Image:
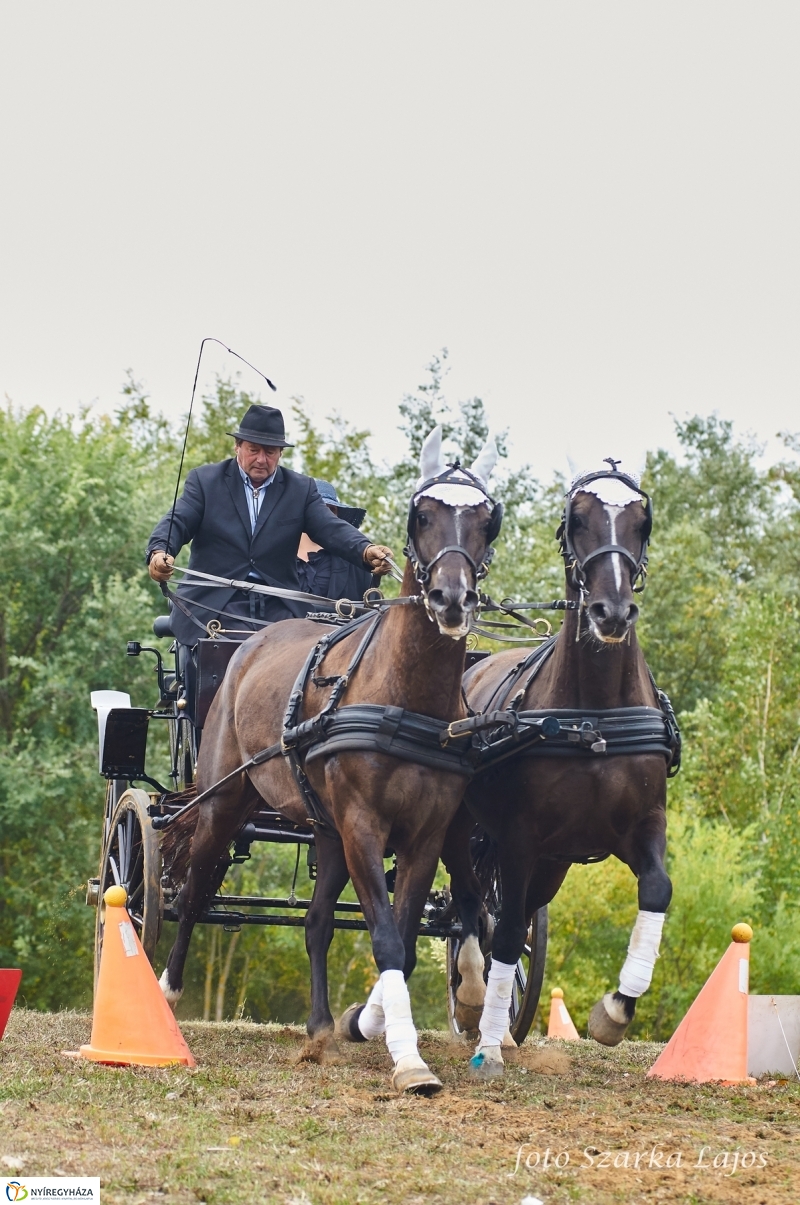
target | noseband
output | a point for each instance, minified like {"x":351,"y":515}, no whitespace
{"x":454,"y":474}
{"x":576,"y":575}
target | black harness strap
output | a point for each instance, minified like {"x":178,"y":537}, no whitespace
{"x":617,"y":731}
{"x":373,"y":728}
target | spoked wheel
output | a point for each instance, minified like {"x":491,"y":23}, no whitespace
{"x":132,"y":859}
{"x":528,"y":978}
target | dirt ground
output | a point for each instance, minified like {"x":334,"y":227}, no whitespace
{"x":568,"y":1122}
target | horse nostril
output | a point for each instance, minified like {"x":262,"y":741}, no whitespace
{"x":633,"y":613}
{"x":471,"y":600}
{"x":598,"y":611}
{"x":436,"y":598}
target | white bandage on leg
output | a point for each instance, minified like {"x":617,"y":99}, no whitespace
{"x":636,"y":974}
{"x":371,"y":1019}
{"x":401,"y":1036}
{"x":494,"y":1019}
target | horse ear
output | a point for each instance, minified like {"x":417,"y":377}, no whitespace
{"x":430,"y":457}
{"x":487,"y":459}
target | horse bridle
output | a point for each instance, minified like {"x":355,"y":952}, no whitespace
{"x":576,"y":567}
{"x":454,"y":474}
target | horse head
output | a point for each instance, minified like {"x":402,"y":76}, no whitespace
{"x":452,"y":521}
{"x":604,"y":533}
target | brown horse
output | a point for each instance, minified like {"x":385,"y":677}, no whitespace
{"x":409,"y":657}
{"x":546,"y":811}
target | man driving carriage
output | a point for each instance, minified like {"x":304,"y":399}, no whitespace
{"x":244,"y":517}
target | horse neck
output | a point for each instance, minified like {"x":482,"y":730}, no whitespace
{"x":410,"y":664}
{"x":582,"y":672}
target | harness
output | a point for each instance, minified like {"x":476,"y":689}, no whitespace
{"x":569,"y":732}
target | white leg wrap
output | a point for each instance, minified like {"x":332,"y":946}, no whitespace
{"x":636,"y":974}
{"x":172,"y":995}
{"x":372,"y":1021}
{"x":494,"y":1019}
{"x":401,"y":1036}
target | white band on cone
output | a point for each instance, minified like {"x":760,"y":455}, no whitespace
{"x":371,"y":1019}
{"x":637,"y":973}
{"x":494,"y":1019}
{"x":401,"y":1036}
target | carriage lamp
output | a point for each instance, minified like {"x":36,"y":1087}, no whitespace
{"x":134,"y":648}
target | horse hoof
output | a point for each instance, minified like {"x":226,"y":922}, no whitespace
{"x":320,"y":1049}
{"x":171,"y":994}
{"x":468,"y":1016}
{"x":487,"y":1063}
{"x":347,"y":1025}
{"x":413,"y":1075}
{"x":602,"y":1027}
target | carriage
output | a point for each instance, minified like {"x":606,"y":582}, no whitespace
{"x":138,"y":807}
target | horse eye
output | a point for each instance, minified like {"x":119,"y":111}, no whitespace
{"x":422,"y":520}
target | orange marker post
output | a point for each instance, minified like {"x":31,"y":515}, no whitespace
{"x":710,"y":1044}
{"x":560,"y":1024}
{"x":132,"y":1022}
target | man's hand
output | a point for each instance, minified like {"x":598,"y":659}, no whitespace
{"x":160,"y":566}
{"x":375,"y":556}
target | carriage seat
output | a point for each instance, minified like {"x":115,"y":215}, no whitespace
{"x":162,"y":626}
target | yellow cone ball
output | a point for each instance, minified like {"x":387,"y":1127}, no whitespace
{"x":742,"y":932}
{"x":557,"y":993}
{"x":115,"y":897}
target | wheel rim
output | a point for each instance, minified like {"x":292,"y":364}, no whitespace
{"x":132,"y":859}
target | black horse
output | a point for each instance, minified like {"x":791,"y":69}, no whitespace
{"x":585,"y":797}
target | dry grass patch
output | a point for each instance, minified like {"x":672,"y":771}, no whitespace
{"x":253,"y":1125}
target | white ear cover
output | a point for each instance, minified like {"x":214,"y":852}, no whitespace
{"x":430,"y":457}
{"x":487,"y":459}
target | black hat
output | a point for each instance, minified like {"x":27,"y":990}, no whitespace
{"x":262,"y":425}
{"x":327,"y":492}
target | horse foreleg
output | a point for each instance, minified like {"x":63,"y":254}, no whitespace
{"x":332,"y":878}
{"x":611,"y":1016}
{"x":467,"y":896}
{"x":365,"y":862}
{"x":525,"y":890}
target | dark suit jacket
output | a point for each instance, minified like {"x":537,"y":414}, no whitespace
{"x":212,"y":513}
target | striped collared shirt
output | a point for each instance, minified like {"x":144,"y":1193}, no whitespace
{"x":254,"y":494}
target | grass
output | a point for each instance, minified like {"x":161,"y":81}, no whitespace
{"x":252,"y":1125}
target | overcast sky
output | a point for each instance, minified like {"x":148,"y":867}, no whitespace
{"x":594,"y":206}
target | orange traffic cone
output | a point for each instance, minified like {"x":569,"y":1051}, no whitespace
{"x":132,"y":1023}
{"x":711,"y":1041}
{"x":560,"y":1023}
{"x":9,"y":982}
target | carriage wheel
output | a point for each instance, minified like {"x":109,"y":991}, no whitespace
{"x":528,"y":979}
{"x":131,"y":858}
